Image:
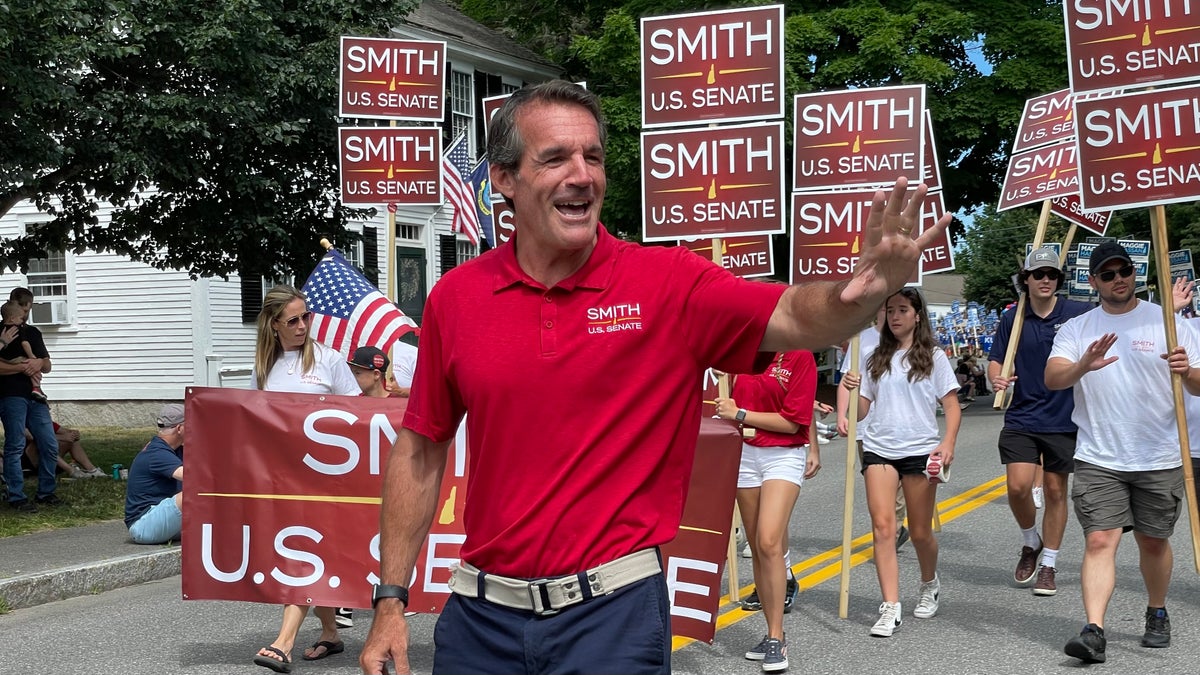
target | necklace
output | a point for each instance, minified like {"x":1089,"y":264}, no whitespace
{"x":292,"y":366}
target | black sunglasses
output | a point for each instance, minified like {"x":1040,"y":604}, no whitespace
{"x":291,"y":323}
{"x":1108,"y":275}
{"x":1040,"y":274}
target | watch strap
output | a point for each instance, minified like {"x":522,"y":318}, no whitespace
{"x":383,"y":591}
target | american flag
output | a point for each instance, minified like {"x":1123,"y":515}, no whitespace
{"x":455,"y":169}
{"x":348,"y":311}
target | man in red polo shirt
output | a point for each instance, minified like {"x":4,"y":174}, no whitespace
{"x":578,"y":356}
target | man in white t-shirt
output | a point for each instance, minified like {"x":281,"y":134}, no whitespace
{"x":1128,"y":472}
{"x":404,"y":364}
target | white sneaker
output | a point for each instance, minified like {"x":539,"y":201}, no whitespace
{"x":822,"y":439}
{"x":927,"y":605}
{"x":889,"y":619}
{"x":1039,"y":499}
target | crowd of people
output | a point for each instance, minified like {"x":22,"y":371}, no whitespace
{"x":600,"y":466}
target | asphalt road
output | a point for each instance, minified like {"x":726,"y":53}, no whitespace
{"x":985,"y":624}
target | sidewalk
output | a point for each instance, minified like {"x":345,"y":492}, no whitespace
{"x":48,"y":566}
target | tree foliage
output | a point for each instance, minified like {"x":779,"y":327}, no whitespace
{"x":225,"y":111}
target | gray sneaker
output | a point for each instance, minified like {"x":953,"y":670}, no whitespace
{"x":759,"y":652}
{"x":1158,"y":628}
{"x":775,"y":660}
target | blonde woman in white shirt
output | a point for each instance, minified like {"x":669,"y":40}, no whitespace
{"x":286,"y":358}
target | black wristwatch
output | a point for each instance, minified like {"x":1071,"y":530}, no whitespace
{"x":383,"y":591}
{"x":741,"y":415}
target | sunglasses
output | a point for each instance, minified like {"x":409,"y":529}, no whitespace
{"x":1040,"y":274}
{"x":1109,"y":275}
{"x":291,"y":323}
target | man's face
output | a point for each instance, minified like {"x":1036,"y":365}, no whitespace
{"x":25,"y":307}
{"x":1044,"y":287}
{"x":558,"y":187}
{"x":1119,"y":290}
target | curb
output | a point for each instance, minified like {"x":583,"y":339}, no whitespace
{"x":29,"y":590}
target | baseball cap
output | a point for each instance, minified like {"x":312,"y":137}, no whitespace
{"x":171,"y":415}
{"x":1109,"y":250}
{"x":1042,"y":257}
{"x":371,"y":358}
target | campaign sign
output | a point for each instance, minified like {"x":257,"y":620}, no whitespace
{"x":392,"y":79}
{"x":1127,"y":43}
{"x":939,"y":255}
{"x":858,"y":137}
{"x":721,"y":66}
{"x":502,"y":220}
{"x":1070,"y":209}
{"x":1139,"y":149}
{"x":1182,"y":257}
{"x":827,"y":234}
{"x":712,"y":182}
{"x":1046,"y":119}
{"x":744,"y":256}
{"x":931,"y":171}
{"x":1040,"y":174}
{"x":390,"y":165}
{"x":1138,"y":249}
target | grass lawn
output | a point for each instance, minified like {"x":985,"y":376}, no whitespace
{"x":86,"y":500}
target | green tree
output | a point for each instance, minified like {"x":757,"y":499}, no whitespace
{"x":225,"y":112}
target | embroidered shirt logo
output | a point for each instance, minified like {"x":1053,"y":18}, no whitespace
{"x":1146,"y":346}
{"x":614,"y":318}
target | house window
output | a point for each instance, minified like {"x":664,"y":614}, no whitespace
{"x":462,"y":104}
{"x":464,"y":251}
{"x":508,"y":87}
{"x":409,"y":232}
{"x":47,"y":276}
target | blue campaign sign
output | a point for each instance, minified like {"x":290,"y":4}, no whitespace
{"x":1136,"y":248}
{"x":954,"y":306}
{"x":1181,"y":257}
{"x":1185,"y":273}
{"x":986,"y":342}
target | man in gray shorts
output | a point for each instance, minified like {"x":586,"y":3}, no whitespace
{"x":1128,"y":473}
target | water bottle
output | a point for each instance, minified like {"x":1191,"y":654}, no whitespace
{"x":116,"y":471}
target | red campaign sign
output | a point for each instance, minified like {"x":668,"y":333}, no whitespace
{"x":744,"y":256}
{"x":931,"y":170}
{"x":1131,"y":43}
{"x":827,"y":234}
{"x":695,"y":559}
{"x":1038,"y":175}
{"x":502,"y":220}
{"x":392,"y":79}
{"x":1071,"y":210}
{"x":491,"y":105}
{"x":722,"y":66}
{"x":1139,"y":149}
{"x":858,"y":137}
{"x":939,"y":255}
{"x":1047,"y":119}
{"x":712,"y":182}
{"x":282,"y":495}
{"x":390,"y":165}
{"x":710,"y":392}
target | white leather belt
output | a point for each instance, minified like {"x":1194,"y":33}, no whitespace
{"x":549,"y":596}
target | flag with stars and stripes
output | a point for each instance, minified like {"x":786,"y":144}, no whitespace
{"x":348,"y":312}
{"x":456,"y":171}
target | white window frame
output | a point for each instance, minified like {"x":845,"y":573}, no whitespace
{"x":462,"y":107}
{"x":464,"y":250}
{"x":33,"y":283}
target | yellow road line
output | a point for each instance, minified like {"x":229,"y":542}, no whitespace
{"x":829,"y":563}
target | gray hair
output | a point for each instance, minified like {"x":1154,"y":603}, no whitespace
{"x":505,"y":145}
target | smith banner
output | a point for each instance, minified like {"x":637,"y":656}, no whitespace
{"x":282,"y":506}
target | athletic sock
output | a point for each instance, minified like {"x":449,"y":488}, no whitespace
{"x":787,"y":563}
{"x":1049,"y":557}
{"x":1030,"y":538}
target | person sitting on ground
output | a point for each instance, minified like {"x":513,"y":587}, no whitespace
{"x":69,"y":446}
{"x":370,"y":365}
{"x":13,"y":315}
{"x":966,"y":382}
{"x":154,"y":494}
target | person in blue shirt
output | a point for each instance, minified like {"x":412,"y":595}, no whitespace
{"x":1037,"y":426}
{"x":154,"y":494}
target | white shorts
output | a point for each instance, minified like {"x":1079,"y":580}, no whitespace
{"x":776,"y":463}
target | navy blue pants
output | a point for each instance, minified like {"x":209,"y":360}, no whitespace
{"x":628,"y":631}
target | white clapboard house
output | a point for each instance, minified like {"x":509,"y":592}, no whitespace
{"x":125,"y":337}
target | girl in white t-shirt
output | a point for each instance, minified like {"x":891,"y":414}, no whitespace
{"x":907,"y":377}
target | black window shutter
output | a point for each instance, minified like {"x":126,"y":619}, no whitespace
{"x":370,"y":242}
{"x":448,"y":251}
{"x":252,"y":296}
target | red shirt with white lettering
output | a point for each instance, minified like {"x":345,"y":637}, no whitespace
{"x":583,"y":413}
{"x":789,"y":388}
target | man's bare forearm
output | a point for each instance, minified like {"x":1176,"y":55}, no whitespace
{"x":410,"y":494}
{"x":814,"y":316}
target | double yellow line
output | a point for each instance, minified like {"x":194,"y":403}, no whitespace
{"x":827,"y":565}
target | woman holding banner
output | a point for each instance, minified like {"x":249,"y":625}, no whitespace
{"x":286,"y":358}
{"x":907,"y":376}
{"x":775,"y":461}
